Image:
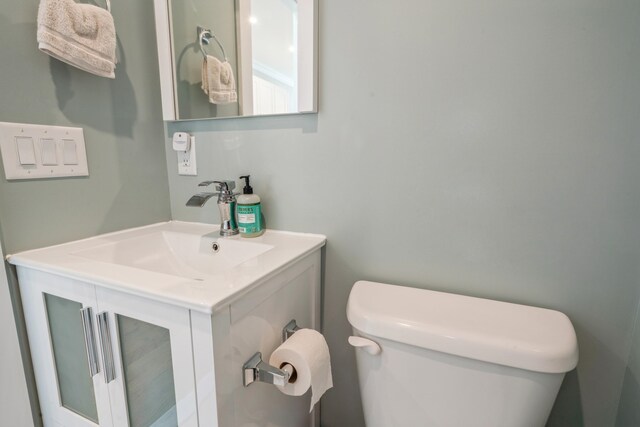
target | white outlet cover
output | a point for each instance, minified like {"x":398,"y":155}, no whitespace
{"x":187,"y":160}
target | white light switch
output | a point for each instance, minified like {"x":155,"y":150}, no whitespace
{"x":69,"y":153}
{"x":42,"y":151}
{"x":25,"y":150}
{"x":49,"y":155}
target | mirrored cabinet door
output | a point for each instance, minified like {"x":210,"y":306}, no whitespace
{"x":237,"y":58}
{"x":152,"y":382}
{"x":62,"y":336}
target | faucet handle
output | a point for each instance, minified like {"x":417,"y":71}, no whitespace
{"x":221,"y":186}
{"x":225,"y":186}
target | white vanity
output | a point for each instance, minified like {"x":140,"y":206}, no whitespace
{"x":151,"y":326}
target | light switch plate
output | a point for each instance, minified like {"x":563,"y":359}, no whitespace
{"x":49,"y":145}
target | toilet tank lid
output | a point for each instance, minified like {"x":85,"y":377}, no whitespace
{"x":515,"y":335}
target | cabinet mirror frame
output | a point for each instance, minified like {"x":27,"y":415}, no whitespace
{"x":307,"y":61}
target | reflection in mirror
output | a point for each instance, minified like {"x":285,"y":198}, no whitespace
{"x":230,"y":58}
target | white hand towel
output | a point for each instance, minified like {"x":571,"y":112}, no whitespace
{"x":82,"y":35}
{"x":218,"y":81}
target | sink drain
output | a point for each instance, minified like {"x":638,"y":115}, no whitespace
{"x":215,"y":247}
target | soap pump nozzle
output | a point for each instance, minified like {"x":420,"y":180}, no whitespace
{"x":247,"y":188}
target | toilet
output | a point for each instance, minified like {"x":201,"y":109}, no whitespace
{"x":429,"y":358}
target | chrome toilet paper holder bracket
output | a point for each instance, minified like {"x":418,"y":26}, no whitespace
{"x":289,"y":329}
{"x":256,"y":369}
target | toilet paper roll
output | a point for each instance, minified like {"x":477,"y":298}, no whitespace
{"x":308,"y":353}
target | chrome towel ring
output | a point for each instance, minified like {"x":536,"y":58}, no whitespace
{"x":204,"y":35}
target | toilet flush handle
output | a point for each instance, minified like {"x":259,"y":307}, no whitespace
{"x":367,"y":345}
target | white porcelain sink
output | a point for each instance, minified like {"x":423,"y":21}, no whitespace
{"x":175,"y":261}
{"x":188,"y":255}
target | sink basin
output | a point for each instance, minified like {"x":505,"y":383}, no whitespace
{"x":175,"y":261}
{"x":187,"y":255}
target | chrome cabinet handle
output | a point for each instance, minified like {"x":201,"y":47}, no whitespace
{"x":105,"y":346}
{"x":89,"y":340}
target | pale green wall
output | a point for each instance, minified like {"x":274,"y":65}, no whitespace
{"x":122,"y":125}
{"x":14,"y":392}
{"x":488,"y":148}
{"x":629,"y":409}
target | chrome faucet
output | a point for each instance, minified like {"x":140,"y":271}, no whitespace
{"x":226,"y":204}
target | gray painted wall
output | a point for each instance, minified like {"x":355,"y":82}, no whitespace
{"x":489,"y":149}
{"x":122,"y":125}
{"x":486,"y":148}
{"x":14,"y":395}
{"x":123,"y":130}
{"x":629,"y":409}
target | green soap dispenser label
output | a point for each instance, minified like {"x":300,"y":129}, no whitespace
{"x":249,"y":218}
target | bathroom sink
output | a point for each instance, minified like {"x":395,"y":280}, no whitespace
{"x":181,"y":254}
{"x":186,"y":264}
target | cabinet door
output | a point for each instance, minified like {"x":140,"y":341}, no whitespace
{"x":62,"y":349}
{"x":152,"y":380}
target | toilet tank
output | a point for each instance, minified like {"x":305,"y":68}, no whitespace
{"x":453,"y":360}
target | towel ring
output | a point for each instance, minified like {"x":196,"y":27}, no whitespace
{"x":107,"y":5}
{"x":204,"y":35}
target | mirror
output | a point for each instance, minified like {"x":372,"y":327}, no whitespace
{"x":236,"y":58}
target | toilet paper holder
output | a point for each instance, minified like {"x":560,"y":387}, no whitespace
{"x":256,"y":369}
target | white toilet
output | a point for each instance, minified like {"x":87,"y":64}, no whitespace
{"x":430,"y":358}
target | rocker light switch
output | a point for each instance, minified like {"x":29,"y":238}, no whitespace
{"x":69,"y":153}
{"x":25,"y":150}
{"x":49,"y":156}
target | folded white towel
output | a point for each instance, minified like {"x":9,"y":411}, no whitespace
{"x":218,"y":81}
{"x":82,"y":35}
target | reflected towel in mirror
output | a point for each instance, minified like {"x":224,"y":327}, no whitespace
{"x":82,"y":35}
{"x":218,"y":81}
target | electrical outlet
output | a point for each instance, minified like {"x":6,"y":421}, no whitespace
{"x":187,"y":160}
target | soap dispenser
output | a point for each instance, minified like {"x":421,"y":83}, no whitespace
{"x":249,"y":211}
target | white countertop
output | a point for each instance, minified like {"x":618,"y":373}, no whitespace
{"x":205,"y":293}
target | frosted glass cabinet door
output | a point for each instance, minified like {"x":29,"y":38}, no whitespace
{"x":61,"y":345}
{"x":71,"y":365}
{"x":153,"y":379}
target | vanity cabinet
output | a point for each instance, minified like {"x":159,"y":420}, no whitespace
{"x":107,"y":358}
{"x":150,"y":327}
